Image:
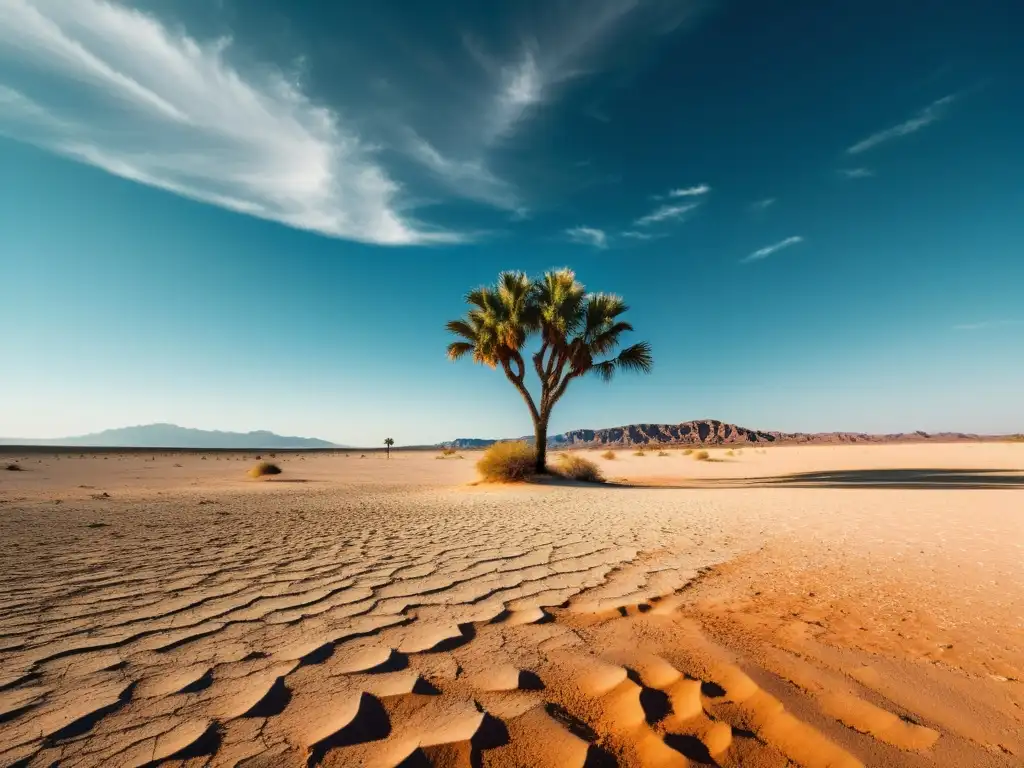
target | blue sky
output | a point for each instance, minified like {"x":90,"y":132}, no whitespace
{"x":260,"y":214}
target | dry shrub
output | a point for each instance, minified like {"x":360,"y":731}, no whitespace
{"x":663,"y":453}
{"x":702,"y":455}
{"x":263,"y":469}
{"x":688,"y":451}
{"x":449,"y":451}
{"x":576,"y":467}
{"x":730,"y":452}
{"x":639,"y":453}
{"x":14,"y":468}
{"x":507,"y":462}
{"x":608,"y":455}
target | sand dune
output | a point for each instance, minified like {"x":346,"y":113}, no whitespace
{"x":812,"y":606}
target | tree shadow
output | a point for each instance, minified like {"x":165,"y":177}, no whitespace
{"x":896,"y":479}
{"x":903,"y":479}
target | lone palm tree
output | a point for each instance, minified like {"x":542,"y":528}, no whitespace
{"x":575,"y":329}
{"x":388,"y":442}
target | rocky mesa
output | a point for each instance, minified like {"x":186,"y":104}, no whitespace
{"x":715,"y":432}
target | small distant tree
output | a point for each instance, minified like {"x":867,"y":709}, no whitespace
{"x":578,"y":332}
{"x":388,"y":442}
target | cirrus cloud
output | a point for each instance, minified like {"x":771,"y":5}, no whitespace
{"x":588,"y":236}
{"x":156,"y":106}
{"x":764,"y":253}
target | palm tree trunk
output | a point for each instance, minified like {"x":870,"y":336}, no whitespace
{"x":540,"y":444}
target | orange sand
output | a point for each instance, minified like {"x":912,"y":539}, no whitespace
{"x":812,"y":606}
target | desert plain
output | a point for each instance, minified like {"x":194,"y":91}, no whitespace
{"x":807,"y":606}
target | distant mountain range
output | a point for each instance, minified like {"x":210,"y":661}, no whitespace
{"x":173,"y":436}
{"x":713,"y":432}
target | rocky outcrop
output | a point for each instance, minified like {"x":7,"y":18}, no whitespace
{"x":714,"y":432}
{"x":703,"y":432}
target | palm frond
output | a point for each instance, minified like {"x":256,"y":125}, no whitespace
{"x":636,"y":358}
{"x":607,"y":339}
{"x":482,"y":297}
{"x":459,"y":349}
{"x":604,"y":370}
{"x":601,"y":309}
{"x":462,"y":328}
{"x":560,"y":299}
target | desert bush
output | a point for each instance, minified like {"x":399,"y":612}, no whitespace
{"x":449,"y":451}
{"x":608,"y":455}
{"x":663,"y":453}
{"x":688,"y":451}
{"x":14,"y":468}
{"x":730,"y":452}
{"x":639,"y":453}
{"x":264,"y":468}
{"x":702,"y":455}
{"x":507,"y":462}
{"x":576,"y":467}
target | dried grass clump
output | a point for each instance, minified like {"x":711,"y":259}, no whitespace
{"x":663,"y":453}
{"x":575,"y":467}
{"x":14,"y":468}
{"x":702,"y":456}
{"x":688,"y":451}
{"x":263,"y":469}
{"x":449,"y":451}
{"x":610,"y":455}
{"x":730,"y":452}
{"x":507,"y":462}
{"x":641,"y":452}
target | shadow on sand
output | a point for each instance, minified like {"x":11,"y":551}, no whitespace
{"x":902,"y":479}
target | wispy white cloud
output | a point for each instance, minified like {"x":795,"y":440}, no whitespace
{"x":922,"y":119}
{"x":665,"y":213}
{"x":856,"y":173}
{"x":632,"y":234}
{"x":588,"y":236}
{"x":986,"y":324}
{"x":762,"y":205}
{"x":157,"y":106}
{"x":522,"y":87}
{"x":471,"y":179}
{"x":700,"y":189}
{"x":767,"y":251}
{"x":567,"y":45}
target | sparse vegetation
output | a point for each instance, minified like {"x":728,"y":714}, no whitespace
{"x":264,"y":468}
{"x":576,"y":329}
{"x":702,"y":456}
{"x":639,"y":452}
{"x":575,"y":467}
{"x":688,"y":451}
{"x":730,"y":452}
{"x":610,"y":455}
{"x":663,"y":453}
{"x":508,"y":462}
{"x":449,"y":451}
{"x":13,"y":467}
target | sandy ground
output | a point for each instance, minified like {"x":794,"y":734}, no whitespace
{"x":812,"y":606}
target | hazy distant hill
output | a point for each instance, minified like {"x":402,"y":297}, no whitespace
{"x":712,"y":432}
{"x":173,"y":436}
